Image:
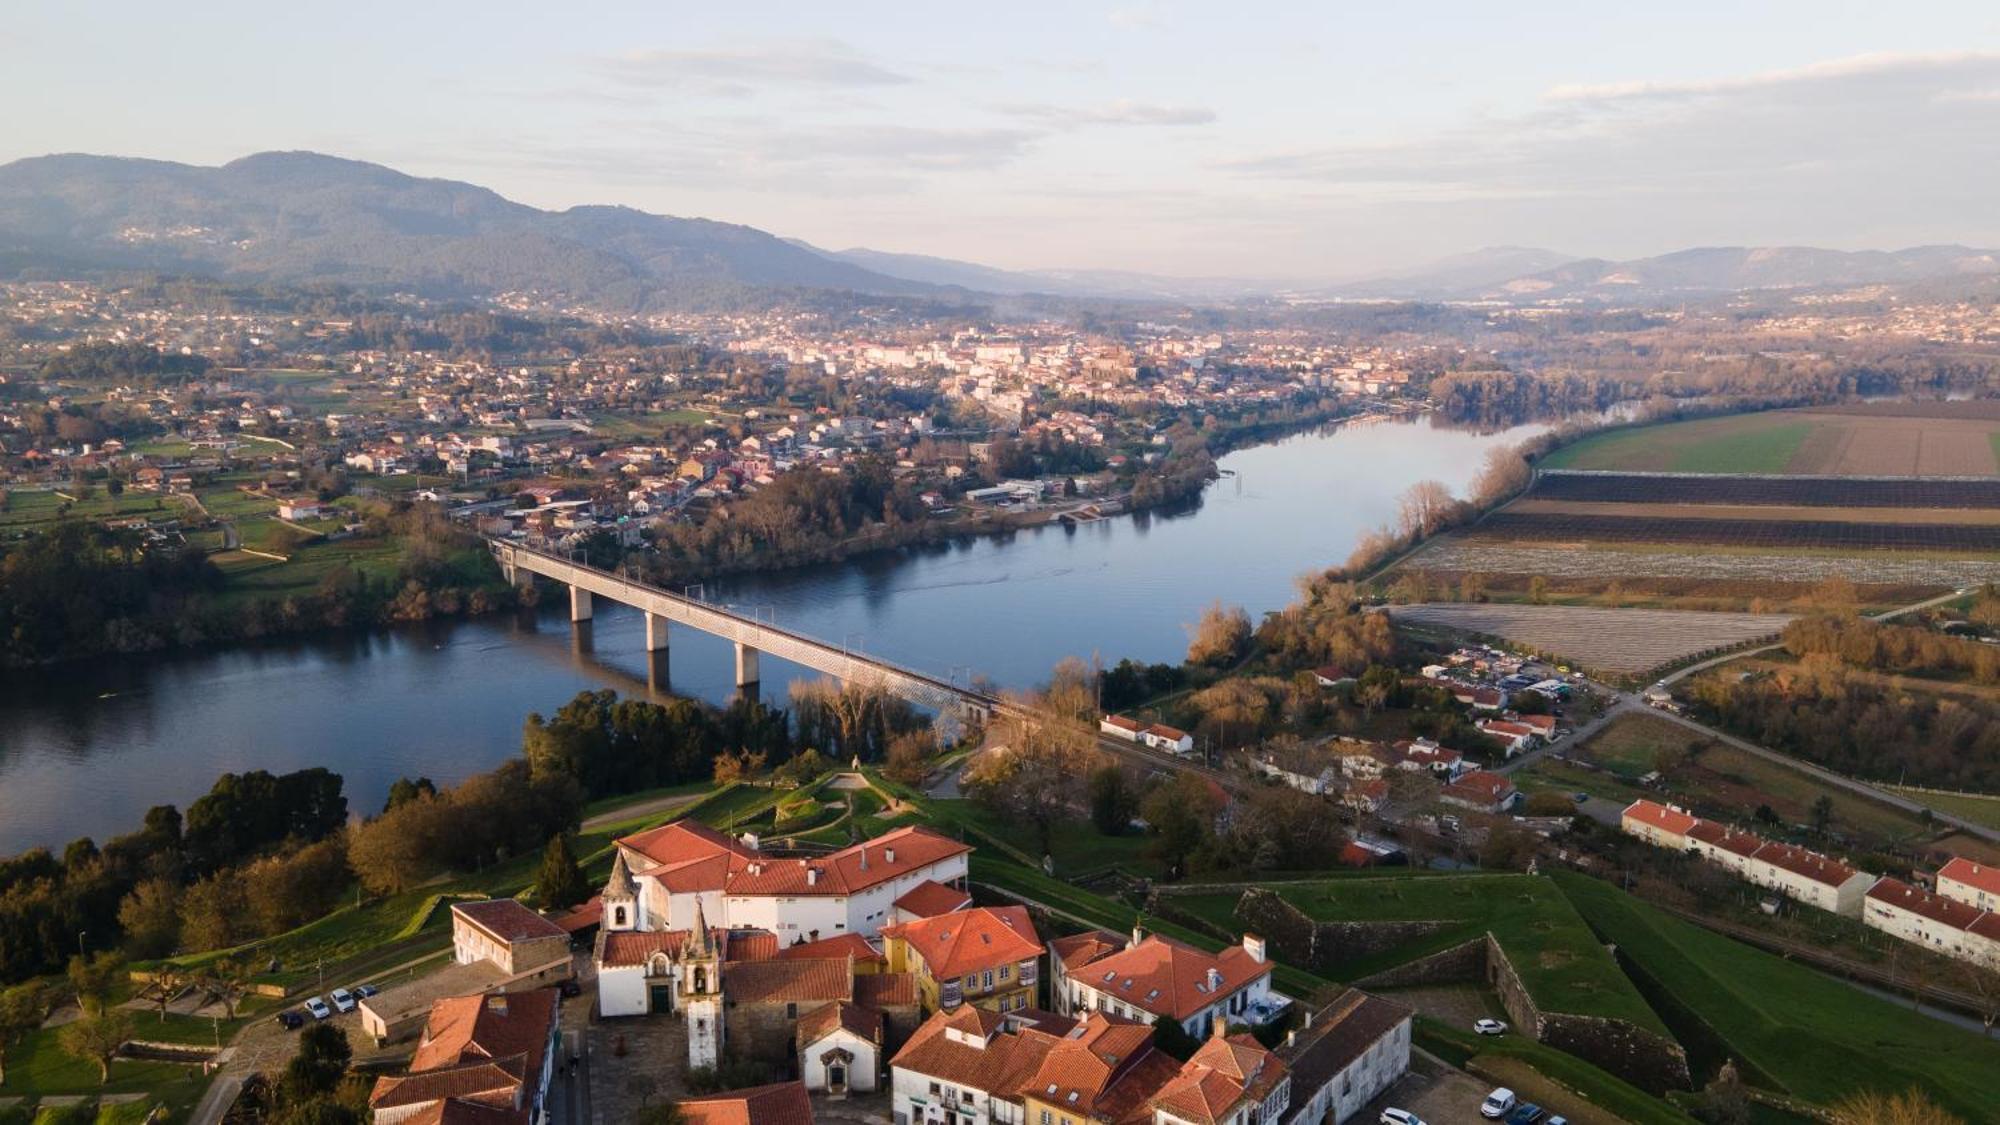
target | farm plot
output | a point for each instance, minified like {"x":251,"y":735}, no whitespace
{"x":1536,"y":506}
{"x":1628,"y":641}
{"x":1873,"y":439}
{"x":1838,"y":535}
{"x":1786,"y":491}
{"x":1453,"y":554}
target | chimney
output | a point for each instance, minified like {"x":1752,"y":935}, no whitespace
{"x":1292,"y":1038}
{"x":1218,"y":1025}
{"x":812,"y":876}
{"x":1214,"y":978}
{"x":864,"y":857}
{"x":1309,"y":1019}
{"x":888,"y":855}
{"x":1254,"y":946}
{"x":1138,"y":935}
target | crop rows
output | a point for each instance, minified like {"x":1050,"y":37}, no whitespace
{"x":1825,"y":534}
{"x":1812,"y":492}
{"x":1454,"y":554}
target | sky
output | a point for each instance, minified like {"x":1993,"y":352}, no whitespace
{"x":1306,"y":141}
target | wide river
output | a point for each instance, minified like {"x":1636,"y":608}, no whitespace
{"x":86,"y":748}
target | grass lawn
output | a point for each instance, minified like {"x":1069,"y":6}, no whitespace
{"x":38,"y":1066}
{"x":1966,"y":806}
{"x":35,"y":511}
{"x":1743,"y":443}
{"x":638,"y":425}
{"x":1799,"y":1032}
{"x":1562,"y":964}
{"x":1496,"y":1057}
{"x":251,"y":577}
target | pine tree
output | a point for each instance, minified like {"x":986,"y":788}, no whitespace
{"x":561,"y":883}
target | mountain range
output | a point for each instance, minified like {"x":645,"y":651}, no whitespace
{"x":296,"y":217}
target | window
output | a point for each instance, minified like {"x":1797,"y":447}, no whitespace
{"x":934,"y":1090}
{"x":1045,"y":1117}
{"x":989,"y":978}
{"x":618,"y":916}
{"x":791,"y":1011}
{"x":1006,"y":972}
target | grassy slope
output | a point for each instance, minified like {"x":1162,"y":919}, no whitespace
{"x":1813,"y":1036}
{"x":1560,"y":961}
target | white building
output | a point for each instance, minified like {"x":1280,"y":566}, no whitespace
{"x":1150,"y":977}
{"x":1808,"y":877}
{"x":659,"y":878}
{"x":840,"y":1049}
{"x":1662,"y":826}
{"x":1975,"y":884}
{"x":1939,"y":924}
{"x":967,"y":1067}
{"x":1344,"y":1056}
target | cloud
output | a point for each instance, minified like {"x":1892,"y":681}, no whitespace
{"x":1846,"y":129}
{"x":1119,"y":112}
{"x":745,"y":70}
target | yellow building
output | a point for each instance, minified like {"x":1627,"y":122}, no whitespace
{"x":988,"y":957}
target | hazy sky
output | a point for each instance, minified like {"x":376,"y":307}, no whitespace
{"x":1316,"y":139}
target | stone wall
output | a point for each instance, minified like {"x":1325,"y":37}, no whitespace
{"x":1647,"y":1060}
{"x":1297,"y":939}
{"x":1464,"y":963}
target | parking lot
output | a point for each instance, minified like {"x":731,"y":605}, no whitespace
{"x":1434,"y":1092}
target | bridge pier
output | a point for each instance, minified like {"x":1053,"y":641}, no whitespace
{"x":579,"y":604}
{"x":656,"y":633}
{"x":746,"y":665}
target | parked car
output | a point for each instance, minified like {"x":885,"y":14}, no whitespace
{"x":1529,"y":1114}
{"x":1400,"y":1117}
{"x":1489,"y":1027}
{"x":1579,"y":796}
{"x":290,"y":1020}
{"x":1558,"y":1119}
{"x":1497,"y":1104}
{"x":343,"y":1000}
{"x":364,"y":991}
{"x":316,"y":1007}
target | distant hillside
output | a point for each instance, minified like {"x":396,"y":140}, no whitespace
{"x":297,"y":216}
{"x":1725,"y":269}
{"x":1105,"y":284}
{"x":1458,"y":274}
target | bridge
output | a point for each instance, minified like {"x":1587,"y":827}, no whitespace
{"x":752,"y":637}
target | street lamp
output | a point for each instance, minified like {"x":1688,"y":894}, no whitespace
{"x":79,"y":942}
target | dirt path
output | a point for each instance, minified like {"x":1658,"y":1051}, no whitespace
{"x":643,"y":808}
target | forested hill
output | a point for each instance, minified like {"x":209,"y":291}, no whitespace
{"x":297,"y":216}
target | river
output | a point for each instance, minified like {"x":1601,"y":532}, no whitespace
{"x":87,"y":747}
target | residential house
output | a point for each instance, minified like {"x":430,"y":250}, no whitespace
{"x":970,"y":1066}
{"x":1808,"y":877}
{"x":1481,"y":791}
{"x":1162,"y":737}
{"x":482,"y":1058}
{"x":1939,"y":924}
{"x":510,"y":935}
{"x":1344,"y":1056}
{"x":1970,"y":882}
{"x":1118,"y":726}
{"x":1153,"y":977}
{"x":782,"y":1103}
{"x":1660,"y":825}
{"x":988,"y":956}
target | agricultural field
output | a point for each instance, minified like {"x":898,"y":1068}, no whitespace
{"x":1767,"y":491}
{"x":1623,"y":641}
{"x":1873,"y":439}
{"x":1756,"y":532}
{"x":1452,"y":555}
{"x":1791,"y":1029}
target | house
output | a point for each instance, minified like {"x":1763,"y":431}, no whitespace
{"x":1513,"y":737}
{"x":1332,"y":676}
{"x":1299,"y":767}
{"x":1152,"y":977}
{"x":1366,"y":795}
{"x":508,"y":934}
{"x":1808,"y":877}
{"x":303,"y":510}
{"x":1106,"y":1072}
{"x":1162,"y":737}
{"x":971,"y":1066}
{"x":782,"y":1103}
{"x":1722,"y":845}
{"x":1423,"y":754}
{"x":1481,"y":791}
{"x":840,"y":1049}
{"x":1118,"y":726}
{"x":659,"y":877}
{"x":988,"y":956}
{"x":929,"y":899}
{"x":1660,"y":825}
{"x":482,"y":1058}
{"x":1344,"y":1056}
{"x":1479,"y":698}
{"x":1939,"y":924}
{"x":1229,"y":1079}
{"x":1969,"y":882}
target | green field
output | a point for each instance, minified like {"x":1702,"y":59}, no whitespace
{"x":1966,"y":806}
{"x":35,"y":511}
{"x":1795,"y":1030}
{"x":1744,"y":443}
{"x":1560,"y":961}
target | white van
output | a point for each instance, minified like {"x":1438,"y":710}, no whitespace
{"x":1497,"y":1104}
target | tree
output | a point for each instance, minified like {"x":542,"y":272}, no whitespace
{"x":909,"y":757}
{"x":1181,"y":813}
{"x":1538,"y":590}
{"x":1424,"y":509}
{"x":1872,"y":1107}
{"x":1503,"y":473}
{"x":561,"y":882}
{"x":1170,"y":1037}
{"x":168,"y":980}
{"x":1822,"y":813}
{"x":227,"y":979}
{"x":92,"y":979}
{"x":96,"y":1036}
{"x":212,"y":912}
{"x":22,"y":1010}
{"x":1112,"y":802}
{"x":150,"y":917}
{"x":315,"y":1071}
{"x":666,"y":1113}
{"x":1220,"y":636}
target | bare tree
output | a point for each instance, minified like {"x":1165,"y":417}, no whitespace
{"x":1220,"y":636}
{"x":1504,"y":473}
{"x":1872,"y":1107}
{"x":1424,"y":508}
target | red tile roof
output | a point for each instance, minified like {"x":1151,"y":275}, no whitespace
{"x":784,"y":1103}
{"x":1937,"y":908}
{"x":985,"y":937}
{"x":931,"y":897}
{"x":1169,"y":978}
{"x":1982,"y":876}
{"x":840,"y":947}
{"x":886,"y":990}
{"x":487,"y":1050}
{"x":1806,"y":864}
{"x":786,"y":982}
{"x":996,"y":1061}
{"x":687,"y":856}
{"x":1221,"y":1075}
{"x":1106,"y":1069}
{"x":855,"y":1019}
{"x":506,"y":920}
{"x":1660,"y":816}
{"x":1081,"y":949}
